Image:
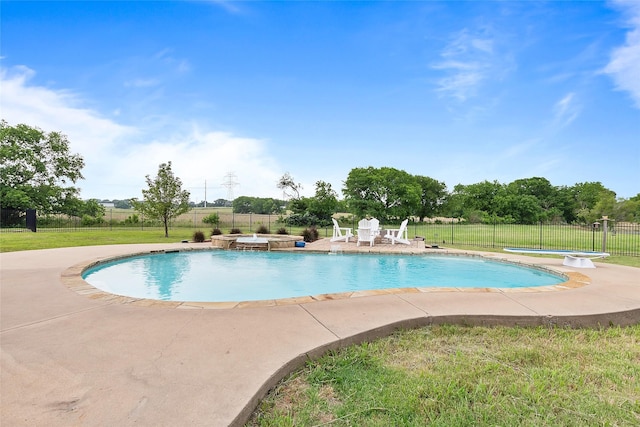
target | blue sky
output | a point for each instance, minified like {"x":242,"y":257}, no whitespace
{"x":458,"y":91}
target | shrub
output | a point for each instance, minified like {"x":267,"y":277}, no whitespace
{"x":198,"y":236}
{"x":216,"y":232}
{"x":310,"y":234}
{"x":235,"y":231}
{"x":132,"y":219}
{"x":213,"y":218}
{"x":282,"y":230}
{"x":262,"y":230}
{"x":88,"y":220}
{"x":304,"y":219}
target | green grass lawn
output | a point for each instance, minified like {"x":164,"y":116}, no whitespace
{"x":10,"y":241}
{"x":468,"y":376}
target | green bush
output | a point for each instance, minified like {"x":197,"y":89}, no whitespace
{"x":132,"y":219}
{"x":306,"y":219}
{"x":198,"y":236}
{"x":88,"y":220}
{"x":310,"y":234}
{"x":213,"y":218}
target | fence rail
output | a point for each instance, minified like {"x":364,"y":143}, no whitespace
{"x":619,"y":239}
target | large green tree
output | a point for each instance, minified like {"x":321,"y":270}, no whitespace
{"x":385,"y":193}
{"x":36,"y":170}
{"x":593,"y":200}
{"x":432,"y":196}
{"x":325,"y":202}
{"x":165,"y":199}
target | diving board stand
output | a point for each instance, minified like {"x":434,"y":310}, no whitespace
{"x":578,"y":259}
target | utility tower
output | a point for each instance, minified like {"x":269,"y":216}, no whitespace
{"x":230,"y":183}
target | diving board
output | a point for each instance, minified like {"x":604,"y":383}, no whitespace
{"x":579,"y":259}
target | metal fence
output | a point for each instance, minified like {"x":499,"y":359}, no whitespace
{"x":616,"y":239}
{"x":123,"y":219}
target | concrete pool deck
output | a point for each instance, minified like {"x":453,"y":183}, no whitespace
{"x":69,"y":358}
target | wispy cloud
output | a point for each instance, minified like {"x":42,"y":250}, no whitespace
{"x":142,"y":82}
{"x":118,"y":157}
{"x":566,"y":110}
{"x":624,"y":66}
{"x":230,"y":6}
{"x":59,"y":110}
{"x":167,"y":57}
{"x":467,"y":61}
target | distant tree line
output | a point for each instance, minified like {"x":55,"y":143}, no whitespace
{"x":390,"y":194}
{"x":126,"y":204}
{"x":37,"y":171}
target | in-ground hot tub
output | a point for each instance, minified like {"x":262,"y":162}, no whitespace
{"x":251,"y":241}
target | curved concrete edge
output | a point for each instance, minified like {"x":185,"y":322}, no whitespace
{"x":622,"y":318}
{"x":72,"y":278}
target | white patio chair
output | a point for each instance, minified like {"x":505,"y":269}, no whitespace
{"x":399,"y":235}
{"x":338,"y":232}
{"x":375,"y":226}
{"x":366,"y":232}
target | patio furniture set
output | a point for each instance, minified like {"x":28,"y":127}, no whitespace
{"x":369,"y":231}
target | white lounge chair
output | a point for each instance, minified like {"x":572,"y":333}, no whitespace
{"x":399,"y":235}
{"x":366,"y":233}
{"x":338,"y":232}
{"x":375,"y":226}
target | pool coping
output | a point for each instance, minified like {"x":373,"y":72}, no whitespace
{"x":72,"y":278}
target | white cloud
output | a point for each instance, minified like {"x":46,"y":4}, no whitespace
{"x":55,"y":110}
{"x":624,"y":66}
{"x":198,"y":156}
{"x":566,"y":110}
{"x":468,"y":60}
{"x":117,"y":157}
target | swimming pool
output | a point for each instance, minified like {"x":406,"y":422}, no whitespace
{"x":220,"y":276}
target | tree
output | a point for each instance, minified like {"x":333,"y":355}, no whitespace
{"x":36,"y":169}
{"x":594,"y":200}
{"x":212,"y":219}
{"x":432,"y":196}
{"x":325,"y":202}
{"x":164,"y":199}
{"x":286,"y":182}
{"x":382,"y":192}
{"x":259,"y":205}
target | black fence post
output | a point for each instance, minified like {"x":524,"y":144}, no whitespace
{"x":540,"y":234}
{"x":495,"y":224}
{"x":31,"y":219}
{"x":452,"y":225}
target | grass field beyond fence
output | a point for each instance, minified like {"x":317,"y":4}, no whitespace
{"x":621,"y":239}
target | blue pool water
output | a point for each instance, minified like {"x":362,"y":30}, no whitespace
{"x":249,"y":276}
